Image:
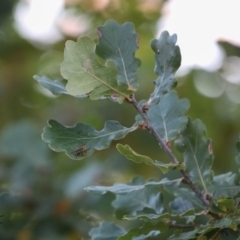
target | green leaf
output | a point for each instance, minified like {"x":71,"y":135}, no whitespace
{"x":185,"y":235}
{"x":82,"y":139}
{"x":179,"y":206}
{"x":147,"y":231}
{"x":85,"y":74}
{"x":168,"y":60}
{"x":106,"y":231}
{"x":119,"y":42}
{"x":197,"y":152}
{"x":25,"y":135}
{"x":174,"y":188}
{"x":136,"y":196}
{"x":224,"y":186}
{"x":138,"y":183}
{"x":54,"y":86}
{"x":238,"y":155}
{"x":148,"y":199}
{"x":130,"y":154}
{"x":167,"y":117}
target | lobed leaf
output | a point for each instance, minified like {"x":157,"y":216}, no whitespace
{"x":137,"y":183}
{"x":168,"y":60}
{"x":119,"y":42}
{"x":71,"y":139}
{"x":185,"y":235}
{"x":136,"y":197}
{"x":106,"y":231}
{"x":130,"y":154}
{"x":174,"y":188}
{"x":224,"y":186}
{"x":85,"y":74}
{"x":197,"y":152}
{"x":145,"y":200}
{"x":180,"y":206}
{"x":167,"y":117}
{"x":147,"y":231}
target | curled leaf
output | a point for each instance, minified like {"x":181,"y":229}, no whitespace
{"x":130,"y":154}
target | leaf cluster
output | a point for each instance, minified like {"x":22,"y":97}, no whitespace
{"x":197,"y":205}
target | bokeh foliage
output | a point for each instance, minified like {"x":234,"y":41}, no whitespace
{"x":42,"y":192}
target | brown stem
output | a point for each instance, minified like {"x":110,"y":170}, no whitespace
{"x":169,"y":152}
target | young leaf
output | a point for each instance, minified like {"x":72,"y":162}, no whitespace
{"x":119,"y":43}
{"x":106,"y":231}
{"x":197,"y":152}
{"x":85,"y":74}
{"x":82,"y":139}
{"x":167,"y":117}
{"x":129,"y":153}
{"x":168,"y":60}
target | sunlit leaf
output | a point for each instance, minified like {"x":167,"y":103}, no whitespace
{"x":119,"y":42}
{"x":130,"y":154}
{"x":106,"y":231}
{"x":85,"y":74}
{"x":147,"y":231}
{"x":82,"y":139}
{"x":197,"y":152}
{"x":168,"y":60}
{"x":167,"y":117}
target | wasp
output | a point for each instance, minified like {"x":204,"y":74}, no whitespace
{"x":80,"y":150}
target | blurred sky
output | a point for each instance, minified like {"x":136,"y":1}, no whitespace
{"x":199,"y":25}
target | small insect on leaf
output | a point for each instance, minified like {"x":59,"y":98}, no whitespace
{"x":80,"y":151}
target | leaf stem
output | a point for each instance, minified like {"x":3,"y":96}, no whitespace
{"x":169,"y":152}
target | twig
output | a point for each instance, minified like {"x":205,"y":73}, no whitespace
{"x":169,"y":152}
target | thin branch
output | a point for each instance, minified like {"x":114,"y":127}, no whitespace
{"x":169,"y":152}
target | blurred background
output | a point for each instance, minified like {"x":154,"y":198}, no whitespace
{"x":41,"y":192}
